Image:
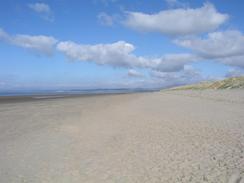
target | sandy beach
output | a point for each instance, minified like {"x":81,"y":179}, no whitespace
{"x":170,"y":136}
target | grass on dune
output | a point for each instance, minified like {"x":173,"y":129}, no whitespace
{"x":229,"y":83}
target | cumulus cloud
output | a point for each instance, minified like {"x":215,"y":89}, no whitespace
{"x":169,"y":67}
{"x":117,"y":54}
{"x":105,"y":19}
{"x":226,"y":47}
{"x":186,"y":76}
{"x":39,"y":43}
{"x":174,"y":62}
{"x":43,"y":9}
{"x":236,"y":61}
{"x":120,"y":54}
{"x":178,"y":22}
{"x":3,"y":35}
{"x":134,"y":73}
{"x":40,"y":7}
{"x":217,"y":44}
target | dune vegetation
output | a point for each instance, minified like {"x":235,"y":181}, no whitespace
{"x":229,"y":83}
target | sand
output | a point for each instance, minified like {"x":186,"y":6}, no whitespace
{"x":173,"y":136}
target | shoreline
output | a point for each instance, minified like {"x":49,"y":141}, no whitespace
{"x":40,"y":97}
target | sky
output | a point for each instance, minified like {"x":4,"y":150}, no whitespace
{"x":71,"y":44}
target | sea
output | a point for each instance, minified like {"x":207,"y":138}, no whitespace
{"x":62,"y":93}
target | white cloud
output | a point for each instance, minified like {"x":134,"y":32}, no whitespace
{"x":39,"y":43}
{"x":43,"y":9}
{"x":217,"y":44}
{"x":105,"y":19}
{"x":186,"y":76}
{"x":237,"y":61}
{"x":40,"y":7}
{"x":134,"y":73}
{"x":116,"y":54}
{"x":3,"y":35}
{"x":120,"y":54}
{"x":226,"y":47}
{"x":174,"y":62}
{"x":177,"y":21}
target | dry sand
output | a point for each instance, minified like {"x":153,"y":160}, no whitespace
{"x":173,"y":136}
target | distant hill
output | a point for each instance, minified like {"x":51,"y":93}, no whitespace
{"x":230,"y":83}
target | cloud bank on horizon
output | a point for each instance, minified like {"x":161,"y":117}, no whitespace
{"x":198,"y":30}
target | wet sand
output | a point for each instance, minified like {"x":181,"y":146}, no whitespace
{"x":171,"y":136}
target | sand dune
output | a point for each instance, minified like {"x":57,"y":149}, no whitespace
{"x":171,"y":136}
{"x":229,"y":83}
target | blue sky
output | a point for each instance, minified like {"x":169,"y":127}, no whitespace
{"x":114,"y":43}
